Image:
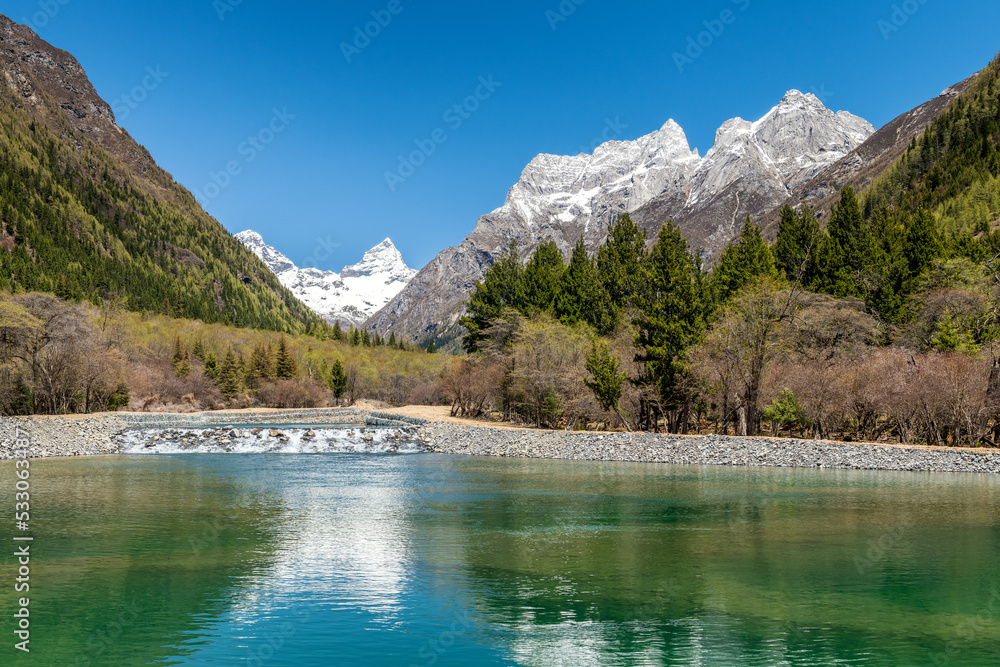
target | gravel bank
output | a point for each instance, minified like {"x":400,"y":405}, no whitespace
{"x":103,"y":434}
{"x":76,"y":435}
{"x":62,"y":436}
{"x":447,"y":438}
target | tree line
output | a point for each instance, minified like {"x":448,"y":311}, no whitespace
{"x":781,"y":336}
{"x":880,"y":322}
{"x":59,"y":357}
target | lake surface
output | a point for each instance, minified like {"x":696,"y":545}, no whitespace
{"x":431,"y":560}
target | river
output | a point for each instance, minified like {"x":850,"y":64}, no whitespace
{"x":422,"y":559}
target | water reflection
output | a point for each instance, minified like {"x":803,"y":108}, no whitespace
{"x":632,"y":565}
{"x":431,"y":560}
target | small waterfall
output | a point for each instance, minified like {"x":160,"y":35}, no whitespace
{"x":270,"y":439}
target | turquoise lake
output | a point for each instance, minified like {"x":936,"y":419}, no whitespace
{"x":433,"y":560}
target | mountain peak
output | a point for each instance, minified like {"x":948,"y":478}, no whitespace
{"x":654,"y":177}
{"x":249,"y":236}
{"x":795,"y":96}
{"x":349,"y":297}
{"x":383,"y":259}
{"x":275,"y":261}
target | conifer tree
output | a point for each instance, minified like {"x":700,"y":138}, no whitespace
{"x":178,"y":352}
{"x":948,"y":337}
{"x":746,"y":259}
{"x":578,"y":296}
{"x":337,"y":379}
{"x":797,"y":247}
{"x":608,"y":379}
{"x":183,"y":369}
{"x":211,"y":368}
{"x":229,"y":375}
{"x":502,"y":288}
{"x":541,"y":278}
{"x":261,"y":367}
{"x":366,"y":339}
{"x":392,"y":340}
{"x":181,"y":360}
{"x":431,"y":349}
{"x":178,"y":303}
{"x":920,"y":246}
{"x":890,"y":289}
{"x":285,"y":365}
{"x":619,"y":262}
{"x":849,"y":252}
{"x":671,"y":315}
{"x":338,"y":333}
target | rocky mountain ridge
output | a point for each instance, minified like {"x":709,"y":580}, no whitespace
{"x":752,"y":167}
{"x":351,"y":296}
{"x":860,"y":167}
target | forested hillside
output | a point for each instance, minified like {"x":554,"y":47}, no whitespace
{"x":953,"y":168}
{"x":86,"y":214}
{"x":882,"y":324}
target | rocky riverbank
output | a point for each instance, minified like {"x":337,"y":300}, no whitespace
{"x":344,"y":430}
{"x":702,"y":450}
{"x":91,"y":435}
{"x":62,"y":436}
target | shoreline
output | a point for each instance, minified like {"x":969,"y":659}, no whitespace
{"x":96,"y":435}
{"x":734,"y":451}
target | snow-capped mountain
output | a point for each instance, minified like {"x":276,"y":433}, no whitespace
{"x":751,"y":168}
{"x":352,"y":295}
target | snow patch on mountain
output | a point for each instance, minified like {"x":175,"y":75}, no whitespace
{"x":751,"y":169}
{"x":351,"y":296}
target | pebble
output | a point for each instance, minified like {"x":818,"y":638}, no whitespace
{"x":447,"y":438}
{"x":97,"y":435}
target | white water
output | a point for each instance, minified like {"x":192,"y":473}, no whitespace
{"x":221,"y":441}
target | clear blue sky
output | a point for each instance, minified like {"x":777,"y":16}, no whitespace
{"x":224,"y":66}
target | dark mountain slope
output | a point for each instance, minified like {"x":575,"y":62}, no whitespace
{"x":867,"y":162}
{"x":85,"y":212}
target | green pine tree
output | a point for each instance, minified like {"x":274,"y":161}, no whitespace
{"x":541,"y":278}
{"x":178,"y":355}
{"x":261,"y":367}
{"x":211,"y":367}
{"x":949,"y":337}
{"x":183,"y":369}
{"x":181,"y":360}
{"x":849,"y":255}
{"x":746,"y":259}
{"x":619,"y":262}
{"x":671,"y":315}
{"x":921,"y":247}
{"x":578,"y":295}
{"x":502,"y":288}
{"x":229,"y":375}
{"x":797,"y":247}
{"x":285,"y":366}
{"x":608,"y":379}
{"x":337,"y":379}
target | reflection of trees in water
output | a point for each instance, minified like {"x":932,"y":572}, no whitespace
{"x":145,"y":554}
{"x":603,"y":564}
